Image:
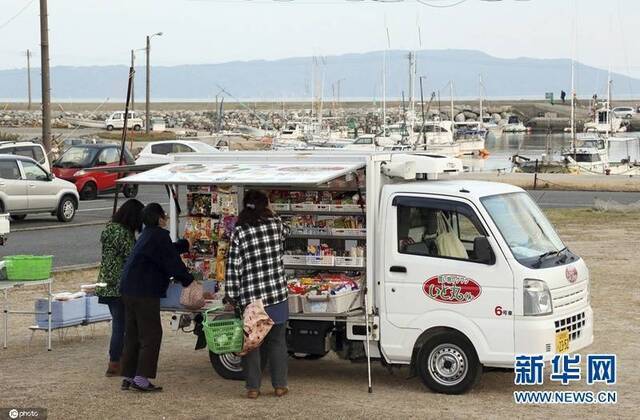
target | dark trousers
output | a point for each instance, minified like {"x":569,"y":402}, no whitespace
{"x":272,"y":351}
{"x":117,"y":329}
{"x":142,"y":337}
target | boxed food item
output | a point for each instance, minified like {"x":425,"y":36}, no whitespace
{"x":64,"y":313}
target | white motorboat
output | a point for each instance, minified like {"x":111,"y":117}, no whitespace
{"x":514,"y":125}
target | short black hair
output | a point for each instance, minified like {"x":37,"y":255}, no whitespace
{"x":152,"y":213}
{"x":129,"y":215}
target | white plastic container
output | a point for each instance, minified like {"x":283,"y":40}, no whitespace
{"x":281,"y":206}
{"x":295,"y":304}
{"x":320,"y":260}
{"x":334,"y":304}
{"x":349,"y":261}
{"x":294,"y":259}
{"x":64,"y":313}
{"x":96,"y":311}
{"x":349,"y":232}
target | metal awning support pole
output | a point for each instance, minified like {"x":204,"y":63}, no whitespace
{"x":173,"y":211}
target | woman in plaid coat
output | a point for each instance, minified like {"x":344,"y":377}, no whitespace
{"x":255,"y":271}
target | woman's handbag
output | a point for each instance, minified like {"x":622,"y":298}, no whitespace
{"x":257,"y":325}
{"x":192,"y":296}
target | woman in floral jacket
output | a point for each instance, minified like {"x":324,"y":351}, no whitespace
{"x":117,"y":239}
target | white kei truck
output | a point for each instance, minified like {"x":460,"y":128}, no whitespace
{"x":514,"y":289}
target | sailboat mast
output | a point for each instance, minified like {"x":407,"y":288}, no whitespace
{"x":384,"y":93}
{"x":451,"y":90}
{"x":481,"y":104}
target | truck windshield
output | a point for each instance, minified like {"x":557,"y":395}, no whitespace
{"x":524,"y":227}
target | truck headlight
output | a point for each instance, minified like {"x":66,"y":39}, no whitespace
{"x":536,"y":298}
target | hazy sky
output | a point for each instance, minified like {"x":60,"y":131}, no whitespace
{"x":90,"y":32}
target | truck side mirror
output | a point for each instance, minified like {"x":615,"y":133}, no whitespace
{"x":483,"y":251}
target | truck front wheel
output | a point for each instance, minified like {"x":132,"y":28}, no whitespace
{"x":228,"y":366}
{"x":448,"y":363}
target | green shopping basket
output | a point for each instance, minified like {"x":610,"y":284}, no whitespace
{"x":224,"y":335}
{"x":28,"y":267}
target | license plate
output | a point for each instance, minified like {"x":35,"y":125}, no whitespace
{"x":562,"y":341}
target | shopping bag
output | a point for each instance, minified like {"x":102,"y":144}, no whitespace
{"x":192,"y":296}
{"x":447,"y":241}
{"x":257,"y":325}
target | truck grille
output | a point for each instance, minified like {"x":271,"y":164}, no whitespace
{"x":565,"y":297}
{"x":572,"y":324}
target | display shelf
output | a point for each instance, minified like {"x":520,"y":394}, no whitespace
{"x":326,"y":237}
{"x":346,"y":188}
{"x":305,"y":267}
{"x":322,"y":213}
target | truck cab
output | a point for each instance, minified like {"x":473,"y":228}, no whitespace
{"x":500,"y":282}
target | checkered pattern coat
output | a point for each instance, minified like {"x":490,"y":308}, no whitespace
{"x":254,"y":266}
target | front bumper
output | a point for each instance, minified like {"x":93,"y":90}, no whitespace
{"x":537,"y":335}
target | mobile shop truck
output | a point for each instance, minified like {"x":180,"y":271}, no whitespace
{"x":425,"y":303}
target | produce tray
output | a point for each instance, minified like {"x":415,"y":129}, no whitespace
{"x":337,"y":304}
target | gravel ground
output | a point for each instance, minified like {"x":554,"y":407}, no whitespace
{"x":69,"y":381}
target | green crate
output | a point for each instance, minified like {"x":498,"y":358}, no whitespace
{"x":28,"y":267}
{"x":223,"y":336}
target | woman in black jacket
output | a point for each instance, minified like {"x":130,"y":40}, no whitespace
{"x":145,"y":279}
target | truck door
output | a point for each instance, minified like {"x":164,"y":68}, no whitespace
{"x":434,"y":275}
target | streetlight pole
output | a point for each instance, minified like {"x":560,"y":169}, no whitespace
{"x":46,"y":87}
{"x":147,"y":107}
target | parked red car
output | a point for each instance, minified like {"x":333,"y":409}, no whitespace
{"x":70,"y":166}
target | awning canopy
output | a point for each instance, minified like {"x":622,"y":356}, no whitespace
{"x":250,"y":169}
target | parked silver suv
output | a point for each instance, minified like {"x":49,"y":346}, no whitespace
{"x":26,"y":187}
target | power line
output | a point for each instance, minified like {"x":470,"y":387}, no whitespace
{"x":16,"y":15}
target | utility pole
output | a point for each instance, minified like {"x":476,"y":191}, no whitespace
{"x":133,"y":102}
{"x":147,"y":123}
{"x":46,"y":87}
{"x":29,"y":78}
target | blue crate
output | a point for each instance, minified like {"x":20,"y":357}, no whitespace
{"x":63,"y":313}
{"x":172,"y":301}
{"x":96,"y":311}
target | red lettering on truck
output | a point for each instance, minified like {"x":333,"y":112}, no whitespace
{"x":451,"y":288}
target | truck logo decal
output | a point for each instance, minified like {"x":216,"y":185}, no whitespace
{"x":571,"y":273}
{"x":451,"y":288}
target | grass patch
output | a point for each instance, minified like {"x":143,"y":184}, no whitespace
{"x":137,"y":135}
{"x":590,"y":216}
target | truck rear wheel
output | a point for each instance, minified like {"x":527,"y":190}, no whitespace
{"x":448,"y":363}
{"x":228,"y":366}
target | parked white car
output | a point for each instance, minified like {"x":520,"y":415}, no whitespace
{"x":28,"y":149}
{"x":116,"y":121}
{"x":26,"y":188}
{"x":623,"y":111}
{"x":158,"y":152}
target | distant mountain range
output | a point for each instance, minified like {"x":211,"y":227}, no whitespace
{"x":360,"y":75}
